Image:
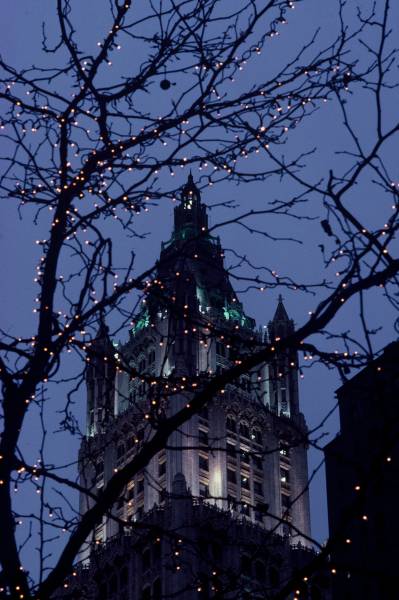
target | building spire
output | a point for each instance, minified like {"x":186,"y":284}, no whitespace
{"x":190,"y":192}
{"x":102,"y":331}
{"x":190,"y":215}
{"x":281,"y":313}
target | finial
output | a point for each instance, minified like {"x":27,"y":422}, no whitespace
{"x":190,"y":178}
{"x":280,"y":298}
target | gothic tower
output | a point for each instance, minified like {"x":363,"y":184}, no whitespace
{"x":243,"y":457}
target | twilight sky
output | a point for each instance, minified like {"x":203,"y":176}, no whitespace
{"x":20,"y":45}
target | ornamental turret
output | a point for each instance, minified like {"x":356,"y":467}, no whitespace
{"x":190,"y":215}
{"x":284,"y":369}
{"x":100,"y":381}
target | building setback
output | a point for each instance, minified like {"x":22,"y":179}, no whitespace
{"x":223,"y":510}
{"x":362,"y":467}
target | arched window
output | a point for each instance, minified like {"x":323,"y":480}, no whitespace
{"x":244,"y":430}
{"x":257,"y":436}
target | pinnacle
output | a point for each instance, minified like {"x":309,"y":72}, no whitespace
{"x":281,"y":313}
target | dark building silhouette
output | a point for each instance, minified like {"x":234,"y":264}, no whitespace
{"x":362,"y":466}
{"x":223,"y":510}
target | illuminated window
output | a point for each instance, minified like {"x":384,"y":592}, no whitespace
{"x":284,"y":449}
{"x":244,"y":457}
{"x":284,"y":476}
{"x":245,"y":482}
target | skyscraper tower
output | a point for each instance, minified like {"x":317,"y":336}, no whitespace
{"x":239,"y":467}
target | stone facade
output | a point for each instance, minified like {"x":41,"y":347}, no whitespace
{"x":240,"y":465}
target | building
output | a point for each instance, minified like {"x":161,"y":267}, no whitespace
{"x":223,"y":510}
{"x":362,"y":466}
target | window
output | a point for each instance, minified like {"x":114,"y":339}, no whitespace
{"x":230,"y":450}
{"x":204,"y":413}
{"x":231,"y":476}
{"x":257,"y":436}
{"x":258,"y":488}
{"x":231,"y":424}
{"x":245,"y":457}
{"x":257,"y":462}
{"x":203,"y":463}
{"x":203,"y":437}
{"x":162,"y":468}
{"x":245,"y":510}
{"x":140,"y":486}
{"x":285,"y":501}
{"x":231,"y":502}
{"x":284,"y":449}
{"x":151,"y":357}
{"x":245,"y":482}
{"x":284,"y":404}
{"x":259,"y":516}
{"x":244,"y":430}
{"x":204,"y":490}
{"x":284,"y":477}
